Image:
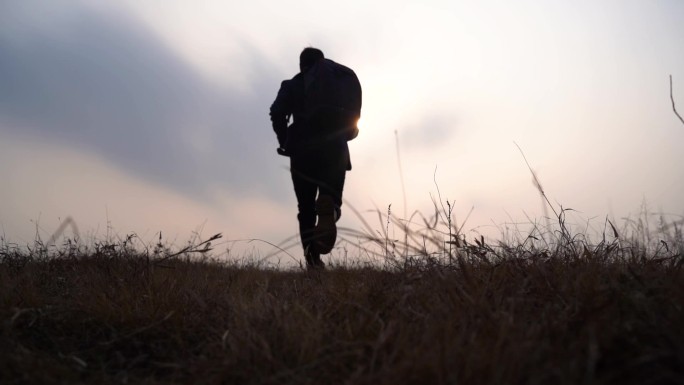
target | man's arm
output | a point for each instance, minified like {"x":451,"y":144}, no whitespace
{"x":280,"y":112}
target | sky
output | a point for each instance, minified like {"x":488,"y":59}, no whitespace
{"x":149,"y":116}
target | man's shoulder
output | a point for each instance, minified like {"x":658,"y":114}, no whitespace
{"x":293,"y":87}
{"x":289,"y":83}
{"x":295,"y":78}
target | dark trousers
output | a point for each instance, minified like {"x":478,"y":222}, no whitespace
{"x":320,"y":171}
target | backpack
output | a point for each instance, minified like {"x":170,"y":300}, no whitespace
{"x":332,"y":100}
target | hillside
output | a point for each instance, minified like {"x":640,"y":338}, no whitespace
{"x":568,"y":314}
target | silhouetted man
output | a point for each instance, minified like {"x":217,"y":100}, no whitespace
{"x":324,"y":101}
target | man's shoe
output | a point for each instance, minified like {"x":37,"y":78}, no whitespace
{"x":317,"y":265}
{"x":325,"y":232}
{"x":313,"y":259}
{"x":308,"y":255}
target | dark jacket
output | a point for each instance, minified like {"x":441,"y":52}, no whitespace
{"x":301,"y":137}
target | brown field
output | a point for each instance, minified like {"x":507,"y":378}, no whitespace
{"x":526,"y":312}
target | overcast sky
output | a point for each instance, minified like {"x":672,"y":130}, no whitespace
{"x":147,"y":116}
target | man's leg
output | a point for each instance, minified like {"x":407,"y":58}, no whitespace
{"x":305,"y":191}
{"x":333,"y":185}
{"x":331,"y":173}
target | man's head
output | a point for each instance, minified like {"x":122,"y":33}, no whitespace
{"x":309,"y":57}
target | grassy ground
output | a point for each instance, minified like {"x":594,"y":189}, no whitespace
{"x":572,"y":313}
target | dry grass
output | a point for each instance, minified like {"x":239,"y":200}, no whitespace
{"x":529,"y":312}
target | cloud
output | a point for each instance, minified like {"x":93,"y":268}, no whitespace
{"x":432,"y":132}
{"x":100,"y":81}
{"x":40,"y":189}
